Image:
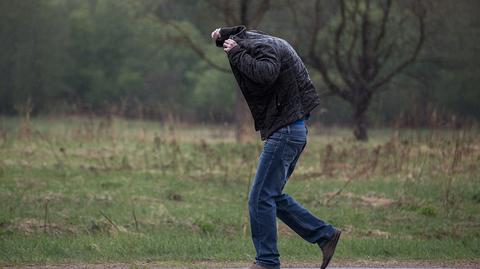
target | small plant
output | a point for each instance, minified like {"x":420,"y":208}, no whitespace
{"x":25,"y":110}
{"x":427,"y":211}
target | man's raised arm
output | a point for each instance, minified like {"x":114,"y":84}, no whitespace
{"x":261,"y":66}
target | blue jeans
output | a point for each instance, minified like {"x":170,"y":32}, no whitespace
{"x":267,"y":200}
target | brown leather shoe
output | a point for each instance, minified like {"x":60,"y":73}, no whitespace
{"x":329,"y":248}
{"x":257,"y":266}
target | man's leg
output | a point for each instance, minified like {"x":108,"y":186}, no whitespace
{"x":302,"y":221}
{"x":269,"y":180}
{"x":299,"y":219}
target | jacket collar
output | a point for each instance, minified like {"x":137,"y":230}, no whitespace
{"x":234,"y":32}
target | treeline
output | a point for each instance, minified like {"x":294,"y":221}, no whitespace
{"x":155,"y":59}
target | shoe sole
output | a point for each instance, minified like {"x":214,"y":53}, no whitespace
{"x":335,"y":242}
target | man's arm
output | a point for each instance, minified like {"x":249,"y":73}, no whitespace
{"x":263,"y":68}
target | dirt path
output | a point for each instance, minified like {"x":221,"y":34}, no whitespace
{"x":357,"y":264}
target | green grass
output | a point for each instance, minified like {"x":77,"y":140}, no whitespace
{"x":175,"y":246}
{"x":126,"y":191}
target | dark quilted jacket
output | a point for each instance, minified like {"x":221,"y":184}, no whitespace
{"x":272,"y":78}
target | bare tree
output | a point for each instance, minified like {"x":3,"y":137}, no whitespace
{"x":369,"y":47}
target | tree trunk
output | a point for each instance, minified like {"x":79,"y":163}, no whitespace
{"x":360,"y":126}
{"x":243,"y":119}
{"x":360,"y":117}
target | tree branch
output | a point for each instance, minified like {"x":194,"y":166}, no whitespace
{"x":383,"y":26}
{"x":315,"y":30}
{"x":420,"y":14}
{"x":293,"y":11}
{"x":376,"y":64}
{"x":260,"y":13}
{"x":186,"y":37}
{"x":226,"y":9}
{"x":365,"y":59}
{"x":338,"y":35}
{"x":316,"y":61}
{"x":353,"y":42}
{"x":244,"y":12}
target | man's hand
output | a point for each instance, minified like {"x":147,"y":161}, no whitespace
{"x":229,"y":44}
{"x":216,"y":34}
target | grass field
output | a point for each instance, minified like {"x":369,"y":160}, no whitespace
{"x":80,"y":190}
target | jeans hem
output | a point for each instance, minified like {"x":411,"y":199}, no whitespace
{"x":322,"y":242}
{"x":267,"y":266}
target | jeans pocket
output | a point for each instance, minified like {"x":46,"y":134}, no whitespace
{"x":297,"y":140}
{"x":271,"y":143}
{"x":298,"y":137}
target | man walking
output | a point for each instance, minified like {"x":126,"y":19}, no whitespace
{"x":280,"y":95}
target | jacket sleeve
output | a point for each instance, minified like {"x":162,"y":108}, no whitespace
{"x":261,"y":66}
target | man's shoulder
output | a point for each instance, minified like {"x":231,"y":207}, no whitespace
{"x":258,"y":39}
{"x":256,"y":34}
